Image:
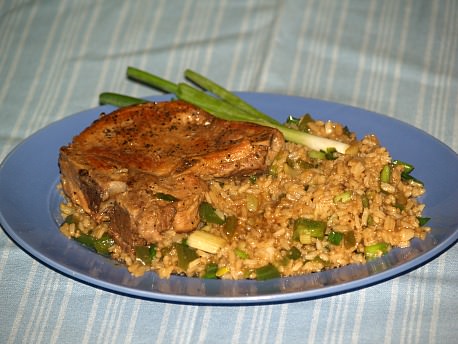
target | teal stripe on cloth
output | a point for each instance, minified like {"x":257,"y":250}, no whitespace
{"x":396,"y":57}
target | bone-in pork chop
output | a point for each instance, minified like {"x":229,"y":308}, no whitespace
{"x":145,"y":168}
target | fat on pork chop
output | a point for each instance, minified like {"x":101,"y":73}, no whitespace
{"x":121,"y":166}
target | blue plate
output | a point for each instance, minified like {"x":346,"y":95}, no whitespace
{"x":29,"y":212}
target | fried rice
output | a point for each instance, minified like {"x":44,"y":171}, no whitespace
{"x":313,"y":210}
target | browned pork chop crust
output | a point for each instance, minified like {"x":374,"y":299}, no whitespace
{"x":116,"y":168}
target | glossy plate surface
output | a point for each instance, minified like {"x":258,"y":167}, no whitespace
{"x":29,"y":212}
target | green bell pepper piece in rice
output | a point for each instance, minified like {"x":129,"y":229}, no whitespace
{"x":210,"y":271}
{"x":335,"y":237}
{"x":267,"y":272}
{"x":185,"y":254}
{"x":230,"y":226}
{"x":101,"y":245}
{"x":305,"y":229}
{"x":209,"y":214}
{"x":145,"y":254}
{"x":376,"y":250}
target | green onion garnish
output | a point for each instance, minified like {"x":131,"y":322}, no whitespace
{"x":225,"y":105}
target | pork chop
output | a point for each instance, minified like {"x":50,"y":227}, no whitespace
{"x":118,"y":168}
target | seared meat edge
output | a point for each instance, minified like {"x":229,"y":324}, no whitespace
{"x":116,"y":168}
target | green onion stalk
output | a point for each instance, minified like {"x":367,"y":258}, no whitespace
{"x":219,"y":102}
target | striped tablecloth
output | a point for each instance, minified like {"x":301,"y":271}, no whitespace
{"x":396,"y":57}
